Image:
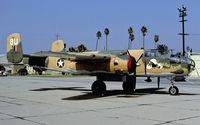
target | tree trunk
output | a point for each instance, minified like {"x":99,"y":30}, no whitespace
{"x":106,"y":43}
{"x":143,"y":43}
{"x":97,"y":44}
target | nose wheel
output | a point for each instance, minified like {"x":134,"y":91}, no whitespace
{"x":173,"y":90}
{"x":98,"y":88}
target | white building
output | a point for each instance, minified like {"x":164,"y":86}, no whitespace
{"x":196,"y":72}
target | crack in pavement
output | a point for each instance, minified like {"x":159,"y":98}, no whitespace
{"x":90,"y":110}
{"x":18,"y":99}
{"x":176,"y":120}
{"x":181,"y":101}
{"x":104,"y":109}
{"x":20,"y":118}
{"x":149,"y":119}
{"x":99,"y":110}
{"x":168,"y":107}
{"x":63,"y":113}
{"x":10,"y":102}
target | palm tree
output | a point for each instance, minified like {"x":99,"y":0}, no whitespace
{"x":106,"y":32}
{"x":163,"y":48}
{"x":72,"y":49}
{"x":98,"y":37}
{"x":144,"y":31}
{"x":131,"y":36}
{"x":156,"y":39}
{"x":81,"y":48}
{"x":130,"y":30}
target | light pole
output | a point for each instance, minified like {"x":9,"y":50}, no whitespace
{"x":182,"y":14}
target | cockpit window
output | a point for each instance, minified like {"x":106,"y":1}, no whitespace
{"x":151,"y":53}
{"x":155,"y":53}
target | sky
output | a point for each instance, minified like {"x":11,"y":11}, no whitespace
{"x":77,"y":22}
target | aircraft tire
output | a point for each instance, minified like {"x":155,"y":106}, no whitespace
{"x":23,"y":72}
{"x":173,"y":90}
{"x":98,"y":88}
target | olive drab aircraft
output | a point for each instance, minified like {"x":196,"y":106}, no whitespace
{"x":123,"y":66}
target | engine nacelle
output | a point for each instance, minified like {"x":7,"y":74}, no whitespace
{"x":35,"y":61}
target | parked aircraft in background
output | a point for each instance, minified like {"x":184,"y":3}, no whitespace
{"x":3,"y":67}
{"x":124,"y":66}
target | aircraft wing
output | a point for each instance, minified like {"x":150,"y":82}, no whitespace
{"x":162,"y":75}
{"x":9,"y":64}
{"x":78,"y":57}
{"x":195,"y":53}
{"x":5,"y":64}
{"x":38,"y":54}
{"x":88,"y":57}
{"x":68,"y":70}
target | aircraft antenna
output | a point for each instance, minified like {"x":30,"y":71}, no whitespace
{"x":57,"y":36}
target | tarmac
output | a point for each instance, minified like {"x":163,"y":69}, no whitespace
{"x":69,"y":101}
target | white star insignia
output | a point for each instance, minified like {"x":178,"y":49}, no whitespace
{"x":60,"y":63}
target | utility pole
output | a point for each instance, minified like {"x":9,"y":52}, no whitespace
{"x":182,"y":14}
{"x":57,"y":36}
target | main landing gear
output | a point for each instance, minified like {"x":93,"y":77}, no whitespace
{"x":98,"y":88}
{"x":129,"y":83}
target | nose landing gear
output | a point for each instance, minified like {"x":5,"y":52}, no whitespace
{"x":173,"y":90}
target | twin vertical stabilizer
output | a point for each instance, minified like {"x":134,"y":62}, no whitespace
{"x":14,"y":48}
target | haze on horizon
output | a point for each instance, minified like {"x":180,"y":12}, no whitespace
{"x":76,"y":22}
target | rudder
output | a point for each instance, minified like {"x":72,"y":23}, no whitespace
{"x":14,"y":48}
{"x":58,"y":46}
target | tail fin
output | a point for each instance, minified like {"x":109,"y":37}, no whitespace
{"x":58,"y":46}
{"x":14,"y":48}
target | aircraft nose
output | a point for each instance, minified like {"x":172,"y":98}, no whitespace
{"x":192,"y":65}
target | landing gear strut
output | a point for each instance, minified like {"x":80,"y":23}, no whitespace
{"x":129,"y":84}
{"x":173,"y":90}
{"x":98,"y":88}
{"x":158,"y":80}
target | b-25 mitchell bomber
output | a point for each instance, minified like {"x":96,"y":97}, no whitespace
{"x":123,"y":66}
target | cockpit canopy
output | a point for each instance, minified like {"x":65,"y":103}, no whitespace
{"x":156,"y":53}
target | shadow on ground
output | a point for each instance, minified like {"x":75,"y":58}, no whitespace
{"x":87,"y":94}
{"x":62,"y":88}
